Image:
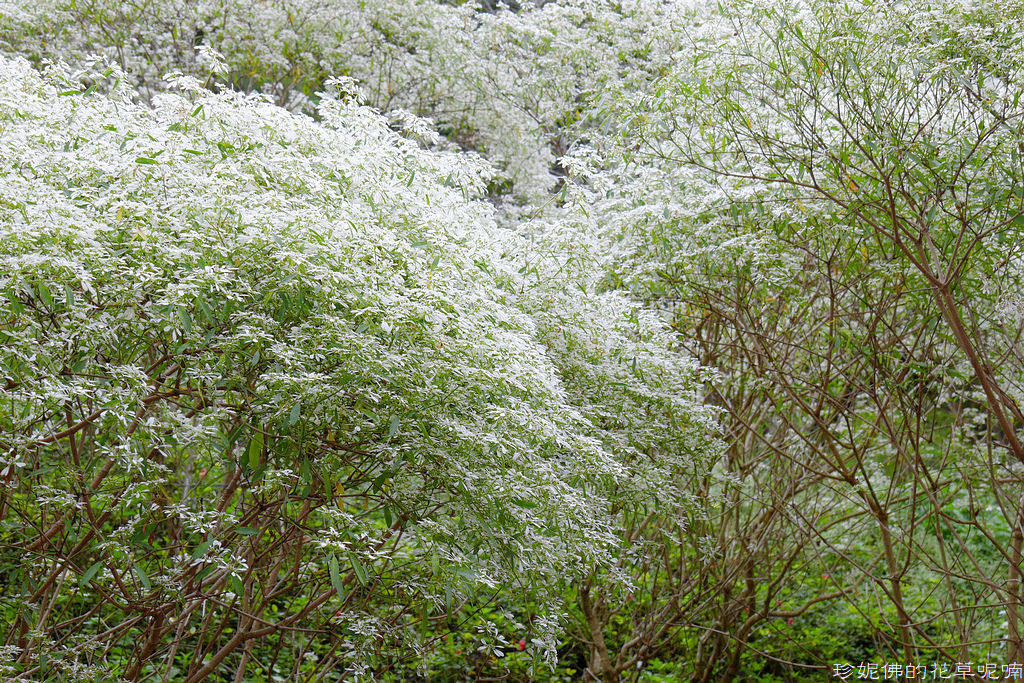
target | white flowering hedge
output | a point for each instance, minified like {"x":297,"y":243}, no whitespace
{"x":268,"y":379}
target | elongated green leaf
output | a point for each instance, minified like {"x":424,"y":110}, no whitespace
{"x":339,"y":587}
{"x":44,"y":294}
{"x":15,"y":303}
{"x":467,"y":574}
{"x":201,"y":550}
{"x":255,"y":450}
{"x":358,"y":568}
{"x":143,"y":577}
{"x":205,"y":308}
{"x":186,"y":319}
{"x":90,"y":573}
{"x":395,"y":422}
{"x":293,"y":417}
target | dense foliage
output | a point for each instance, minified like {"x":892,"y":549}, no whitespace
{"x":676,"y":344}
{"x":259,"y":365}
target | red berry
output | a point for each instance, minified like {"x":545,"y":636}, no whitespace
{"x":522,"y":645}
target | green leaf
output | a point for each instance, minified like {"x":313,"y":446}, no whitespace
{"x":90,"y":573}
{"x":339,"y":587}
{"x":524,"y":503}
{"x":15,"y":303}
{"x":205,"y":308}
{"x":358,"y":568}
{"x":228,"y":440}
{"x":44,"y":294}
{"x":395,"y":422}
{"x":293,"y":417}
{"x":246,"y":531}
{"x":201,"y":550}
{"x":143,"y":577}
{"x":255,"y":450}
{"x":145,"y":160}
{"x":378,"y":483}
{"x":186,"y":319}
{"x":237,"y":587}
{"x":420,"y":245}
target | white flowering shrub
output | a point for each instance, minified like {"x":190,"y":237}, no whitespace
{"x":521,"y":87}
{"x":273,"y":380}
{"x":825,"y":199}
